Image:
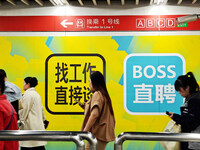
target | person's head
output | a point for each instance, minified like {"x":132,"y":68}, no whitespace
{"x":186,"y":84}
{"x":30,"y":82}
{"x":97,"y":83}
{"x":2,"y":84}
{"x":3,"y":73}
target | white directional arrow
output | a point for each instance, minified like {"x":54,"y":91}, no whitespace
{"x":64,"y":23}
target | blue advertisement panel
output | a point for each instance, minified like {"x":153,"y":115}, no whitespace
{"x":149,"y":83}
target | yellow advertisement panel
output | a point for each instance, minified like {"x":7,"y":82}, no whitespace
{"x":63,"y":65}
{"x":67,"y":81}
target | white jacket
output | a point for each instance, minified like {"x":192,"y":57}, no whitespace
{"x":31,"y":115}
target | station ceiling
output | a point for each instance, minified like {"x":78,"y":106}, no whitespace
{"x":93,"y":3}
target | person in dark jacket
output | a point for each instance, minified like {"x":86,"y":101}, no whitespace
{"x":189,"y":119}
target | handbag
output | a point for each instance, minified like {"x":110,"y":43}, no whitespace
{"x":46,"y":123}
{"x":171,"y":127}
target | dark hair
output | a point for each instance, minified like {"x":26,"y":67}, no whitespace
{"x":2,"y":83}
{"x":187,"y":80}
{"x":99,"y":84}
{"x":3,"y":73}
{"x":32,"y":81}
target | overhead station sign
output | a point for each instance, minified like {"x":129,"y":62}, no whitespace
{"x":94,"y":23}
{"x":149,"y":83}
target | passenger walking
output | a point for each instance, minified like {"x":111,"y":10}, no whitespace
{"x":8,"y":118}
{"x":32,"y":114}
{"x":99,"y":116}
{"x":12,"y":92}
{"x":189,"y":119}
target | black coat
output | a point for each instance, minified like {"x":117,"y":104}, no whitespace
{"x":189,"y":118}
{"x":190,"y":113}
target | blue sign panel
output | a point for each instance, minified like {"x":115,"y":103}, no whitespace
{"x":149,"y":83}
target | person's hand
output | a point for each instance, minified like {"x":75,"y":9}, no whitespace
{"x":171,"y":115}
{"x":19,"y":123}
{"x":82,"y":106}
{"x":85,"y":130}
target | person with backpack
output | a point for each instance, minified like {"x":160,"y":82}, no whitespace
{"x":8,"y":118}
